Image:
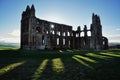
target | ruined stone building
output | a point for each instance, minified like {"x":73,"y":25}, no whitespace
{"x":42,"y":34}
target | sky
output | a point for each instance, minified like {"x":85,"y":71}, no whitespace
{"x":71,"y":12}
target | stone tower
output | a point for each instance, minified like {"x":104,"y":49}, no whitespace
{"x":27,"y":24}
{"x":96,"y":33}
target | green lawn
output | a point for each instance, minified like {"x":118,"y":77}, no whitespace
{"x":60,"y":65}
{"x":8,"y":47}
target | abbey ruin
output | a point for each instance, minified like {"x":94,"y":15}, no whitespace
{"x":42,"y":34}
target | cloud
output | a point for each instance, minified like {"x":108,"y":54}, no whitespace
{"x":118,"y":29}
{"x":15,"y":33}
{"x":113,"y":37}
{"x":114,"y":40}
{"x":12,"y":37}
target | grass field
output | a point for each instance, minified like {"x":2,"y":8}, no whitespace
{"x":8,"y":47}
{"x":60,"y":65}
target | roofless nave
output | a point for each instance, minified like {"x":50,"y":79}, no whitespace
{"x":41,"y":34}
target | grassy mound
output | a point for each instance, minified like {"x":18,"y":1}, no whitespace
{"x":59,"y":65}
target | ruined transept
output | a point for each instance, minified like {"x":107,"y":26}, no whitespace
{"x":42,"y":34}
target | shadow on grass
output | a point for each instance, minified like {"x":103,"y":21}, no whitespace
{"x":54,"y":65}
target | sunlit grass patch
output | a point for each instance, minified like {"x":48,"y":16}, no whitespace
{"x":61,"y":51}
{"x":10,"y":67}
{"x":70,"y":50}
{"x":82,"y":62}
{"x":98,"y":56}
{"x":85,"y":58}
{"x":40,"y":69}
{"x":111,"y":54}
{"x":58,"y":65}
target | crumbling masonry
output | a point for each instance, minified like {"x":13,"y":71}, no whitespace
{"x":41,"y":34}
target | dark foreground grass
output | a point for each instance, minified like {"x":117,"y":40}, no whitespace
{"x":59,"y":65}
